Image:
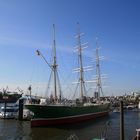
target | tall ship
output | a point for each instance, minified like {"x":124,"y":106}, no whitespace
{"x":58,"y":111}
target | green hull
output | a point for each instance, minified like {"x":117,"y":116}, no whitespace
{"x":54,"y":111}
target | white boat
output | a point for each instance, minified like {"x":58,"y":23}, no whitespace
{"x":139,"y":105}
{"x":27,"y":114}
{"x":137,"y":137}
{"x":131,"y":107}
{"x":9,"y":112}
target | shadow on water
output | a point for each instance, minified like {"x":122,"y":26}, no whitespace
{"x":79,"y":125}
{"x":84,"y":130}
{"x":18,"y":130}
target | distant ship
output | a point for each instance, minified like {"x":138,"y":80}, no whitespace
{"x":59,"y":111}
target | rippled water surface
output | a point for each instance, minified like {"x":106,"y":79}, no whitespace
{"x":18,"y":130}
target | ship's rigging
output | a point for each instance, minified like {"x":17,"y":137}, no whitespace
{"x":54,"y":72}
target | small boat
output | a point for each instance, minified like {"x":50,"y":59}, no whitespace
{"x":137,"y":137}
{"x":73,"y":137}
{"x":9,"y":112}
{"x":131,"y":107}
{"x":116,"y":110}
{"x":27,"y":114}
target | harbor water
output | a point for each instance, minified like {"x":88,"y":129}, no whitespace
{"x":20,"y":130}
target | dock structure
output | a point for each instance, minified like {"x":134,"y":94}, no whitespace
{"x":20,"y":115}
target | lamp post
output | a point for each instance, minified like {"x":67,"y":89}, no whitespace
{"x":30,"y":90}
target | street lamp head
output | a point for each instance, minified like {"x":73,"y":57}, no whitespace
{"x":38,"y":52}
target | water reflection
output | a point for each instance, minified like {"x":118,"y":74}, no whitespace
{"x":139,"y":114}
{"x":14,"y":130}
{"x":17,"y":130}
{"x":85,"y":130}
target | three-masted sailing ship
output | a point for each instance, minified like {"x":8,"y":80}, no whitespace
{"x":57,"y":113}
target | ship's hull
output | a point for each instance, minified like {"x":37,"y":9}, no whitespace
{"x":56,"y":115}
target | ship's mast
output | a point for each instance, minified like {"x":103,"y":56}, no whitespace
{"x":54,"y":65}
{"x":81,"y":78}
{"x":53,"y":68}
{"x":98,"y":74}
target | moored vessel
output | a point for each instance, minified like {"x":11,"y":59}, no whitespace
{"x":8,"y":112}
{"x":59,"y":111}
{"x":57,"y":114}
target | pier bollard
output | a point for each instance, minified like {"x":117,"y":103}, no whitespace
{"x":5,"y":104}
{"x":121,"y":121}
{"x":20,"y":113}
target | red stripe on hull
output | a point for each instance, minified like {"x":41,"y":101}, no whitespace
{"x":68,"y":120}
